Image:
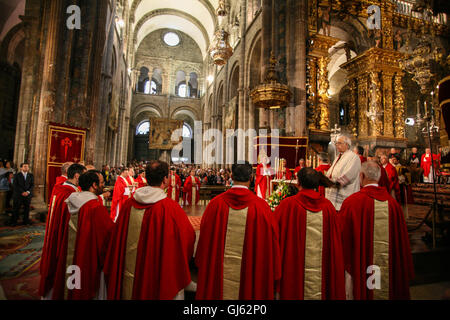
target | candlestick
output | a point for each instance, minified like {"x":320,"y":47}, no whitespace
{"x":425,"y":108}
{"x":418,"y":107}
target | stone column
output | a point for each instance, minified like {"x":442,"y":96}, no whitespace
{"x":47,"y":98}
{"x":299,"y":82}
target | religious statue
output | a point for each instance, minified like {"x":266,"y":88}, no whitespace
{"x":398,"y":40}
{"x":325,"y":17}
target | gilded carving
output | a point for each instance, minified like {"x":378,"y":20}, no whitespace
{"x":388,"y":98}
{"x":376,"y":124}
{"x":399,"y":106}
{"x":362,"y":106}
{"x":352,"y":108}
{"x":323,"y":85}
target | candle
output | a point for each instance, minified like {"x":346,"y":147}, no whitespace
{"x":418,"y":107}
{"x":425,"y":108}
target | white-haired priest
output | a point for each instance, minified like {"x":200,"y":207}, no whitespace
{"x":344,"y":172}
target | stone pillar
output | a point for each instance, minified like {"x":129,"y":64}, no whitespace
{"x":188,"y":91}
{"x":47,"y":99}
{"x":299,"y":79}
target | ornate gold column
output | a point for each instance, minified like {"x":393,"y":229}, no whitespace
{"x":353,"y":126}
{"x":318,"y":81}
{"x":378,"y":102}
{"x":399,"y":105}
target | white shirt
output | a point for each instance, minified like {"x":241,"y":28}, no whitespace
{"x":240,"y":187}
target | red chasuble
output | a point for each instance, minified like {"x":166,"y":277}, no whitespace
{"x":425,"y":163}
{"x":297,"y":169}
{"x":55,"y":237}
{"x":237,"y":254}
{"x":60,"y":180}
{"x":152,"y":244}
{"x":362,"y":158}
{"x":288,"y":174}
{"x":188,"y":185}
{"x":173,"y":192}
{"x":87,"y":245}
{"x":262,"y":181}
{"x":311,"y":252}
{"x":393,"y":181}
{"x":384,"y":180}
{"x":118,"y":196}
{"x":142,"y":182}
{"x":363,"y":212}
{"x":323,"y":168}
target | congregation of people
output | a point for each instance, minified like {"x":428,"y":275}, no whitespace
{"x":344,"y":227}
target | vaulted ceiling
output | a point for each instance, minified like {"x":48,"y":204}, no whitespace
{"x":194,"y":17}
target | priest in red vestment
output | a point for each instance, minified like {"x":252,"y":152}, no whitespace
{"x":56,"y":235}
{"x":173,"y":191}
{"x":141,"y":180}
{"x":323,"y":167}
{"x":378,"y":261}
{"x":301,"y":165}
{"x":88,"y":234}
{"x":192,"y":189}
{"x":152,"y":244}
{"x":238,"y":256}
{"x":132,"y":182}
{"x":425,"y":164}
{"x":63,"y":177}
{"x":312,"y":262}
{"x":384,"y":180}
{"x":121,"y":193}
{"x":360,"y":152}
{"x":287,"y":174}
{"x":394,"y":184}
{"x":263,"y":178}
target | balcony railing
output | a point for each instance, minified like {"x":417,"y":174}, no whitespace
{"x":405,"y":8}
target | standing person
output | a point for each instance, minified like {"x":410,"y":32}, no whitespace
{"x":23,"y":184}
{"x":312,"y":261}
{"x":63,"y":177}
{"x":378,"y":261}
{"x":360,"y":152}
{"x":344,"y":173}
{"x":89,"y":232}
{"x":323,"y":167}
{"x":384,"y":179}
{"x":238,"y":256}
{"x":192,"y":189}
{"x":174,"y":188}
{"x":121,"y":193}
{"x":141,"y":180}
{"x":152,"y":244}
{"x":427,"y":157}
{"x":263,"y":178}
{"x":53,"y":264}
{"x":394,"y":185}
{"x":301,"y":165}
{"x":286,"y":174}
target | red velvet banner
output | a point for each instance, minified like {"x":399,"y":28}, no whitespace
{"x":290,"y":148}
{"x":65,"y":144}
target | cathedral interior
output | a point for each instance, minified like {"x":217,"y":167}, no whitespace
{"x":109,"y":69}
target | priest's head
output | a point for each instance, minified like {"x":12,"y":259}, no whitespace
{"x":157,"y":174}
{"x":358,"y":150}
{"x":65,"y":167}
{"x":308,"y":178}
{"x":343,"y":144}
{"x":383,"y":159}
{"x":92,"y":181}
{"x":123,"y":172}
{"x":241,"y":173}
{"x":74,"y":172}
{"x":323,"y":158}
{"x":370,"y":173}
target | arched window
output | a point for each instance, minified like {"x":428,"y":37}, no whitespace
{"x":182,"y":90}
{"x":143,"y":128}
{"x":150,"y":87}
{"x":187,"y":131}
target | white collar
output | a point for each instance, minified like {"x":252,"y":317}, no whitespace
{"x":67,"y":183}
{"x":371,"y":185}
{"x":239,"y":187}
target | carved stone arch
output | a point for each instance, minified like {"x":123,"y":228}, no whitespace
{"x":146,"y":107}
{"x":189,"y":109}
{"x":355,"y":30}
{"x":233,"y":84}
{"x":10,"y":42}
{"x":173,"y":12}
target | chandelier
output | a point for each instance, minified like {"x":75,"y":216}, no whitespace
{"x":271,"y":94}
{"x":220,"y":50}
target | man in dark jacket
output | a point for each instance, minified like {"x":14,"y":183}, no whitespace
{"x":22,"y":185}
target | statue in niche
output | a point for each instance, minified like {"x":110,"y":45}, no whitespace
{"x":325,"y":18}
{"x":398,"y":40}
{"x":376,"y":36}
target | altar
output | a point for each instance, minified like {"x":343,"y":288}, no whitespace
{"x":275,"y":182}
